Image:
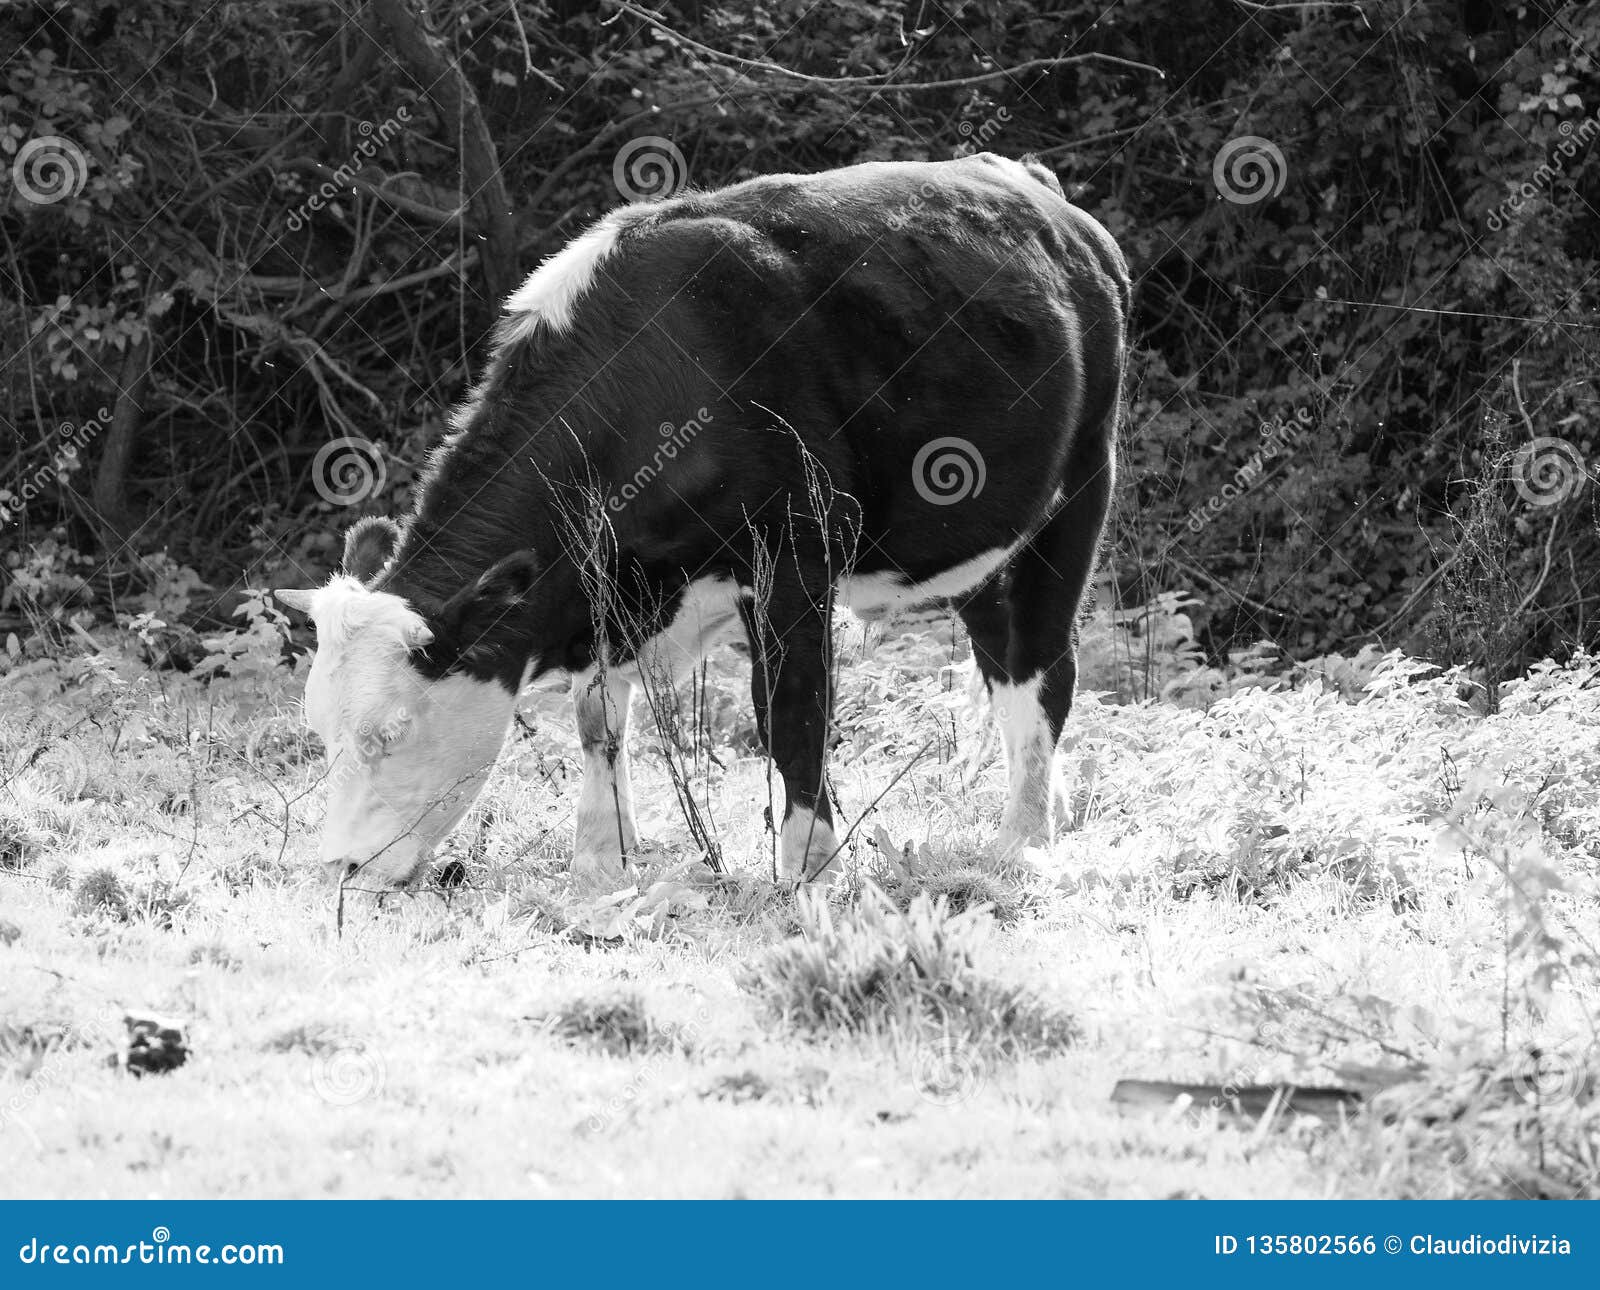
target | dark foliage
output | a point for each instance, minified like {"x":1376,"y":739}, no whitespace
{"x":289,"y":226}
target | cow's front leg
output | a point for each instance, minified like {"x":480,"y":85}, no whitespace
{"x":791,"y":683}
{"x":606,"y":835}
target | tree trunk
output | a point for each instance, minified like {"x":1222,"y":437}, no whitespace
{"x":113,"y":508}
{"x":438,"y":76}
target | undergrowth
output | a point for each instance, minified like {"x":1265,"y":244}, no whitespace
{"x":915,"y":975}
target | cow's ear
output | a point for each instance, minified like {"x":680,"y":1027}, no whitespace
{"x":368,"y":545}
{"x":482,"y":614}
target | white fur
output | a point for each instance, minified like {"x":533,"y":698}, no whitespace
{"x":606,"y":833}
{"x":805,"y":845}
{"x":407,"y":755}
{"x":874,"y":594}
{"x":708,"y":611}
{"x":1030,"y":764}
{"x":552,"y":291}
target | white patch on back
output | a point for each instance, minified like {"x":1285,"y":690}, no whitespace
{"x":552,"y":291}
{"x":876,"y":594}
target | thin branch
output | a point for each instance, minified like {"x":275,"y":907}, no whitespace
{"x":876,"y":82}
{"x":405,"y":205}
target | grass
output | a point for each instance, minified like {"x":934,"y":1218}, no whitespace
{"x":1374,"y":885}
{"x":912,"y":977}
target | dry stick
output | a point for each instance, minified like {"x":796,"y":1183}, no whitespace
{"x":594,"y":558}
{"x":665,"y":712}
{"x":761,"y":580}
{"x":873,"y":804}
{"x":584,"y":540}
{"x":820,"y":495}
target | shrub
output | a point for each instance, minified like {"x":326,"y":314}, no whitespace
{"x":912,"y":976}
{"x":101,"y":892}
{"x":615,"y":1022}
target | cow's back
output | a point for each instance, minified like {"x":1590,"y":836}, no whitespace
{"x":867,"y":312}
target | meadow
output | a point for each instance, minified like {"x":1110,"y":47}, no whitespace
{"x":1347,"y":874}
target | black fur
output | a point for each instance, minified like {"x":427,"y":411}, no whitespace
{"x":818,"y":331}
{"x":368,"y":545}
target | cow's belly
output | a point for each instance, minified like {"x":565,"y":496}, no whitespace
{"x":873,"y":595}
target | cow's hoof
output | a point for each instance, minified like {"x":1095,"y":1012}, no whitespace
{"x":1019,"y":853}
{"x":819,"y":872}
{"x":596,"y":867}
{"x":808,"y":851}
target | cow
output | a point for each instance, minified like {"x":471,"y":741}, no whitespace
{"x":886,"y":385}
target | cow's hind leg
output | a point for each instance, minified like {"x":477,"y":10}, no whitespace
{"x":1047,"y":581}
{"x":606,"y":833}
{"x":791,"y":683}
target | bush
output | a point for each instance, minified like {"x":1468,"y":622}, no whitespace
{"x":913,"y":977}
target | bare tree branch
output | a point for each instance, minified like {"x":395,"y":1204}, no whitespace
{"x":877,"y":82}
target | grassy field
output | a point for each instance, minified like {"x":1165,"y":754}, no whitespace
{"x":1346,"y":874}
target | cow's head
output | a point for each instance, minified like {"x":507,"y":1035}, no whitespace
{"x":412,"y":704}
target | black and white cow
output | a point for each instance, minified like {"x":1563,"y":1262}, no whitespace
{"x":887,"y":384}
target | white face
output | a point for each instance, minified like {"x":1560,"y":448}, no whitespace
{"x":407,"y":755}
